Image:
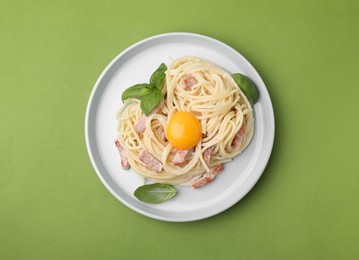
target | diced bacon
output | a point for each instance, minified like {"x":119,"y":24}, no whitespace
{"x":238,"y":138}
{"x":202,"y":181}
{"x":124,"y":162}
{"x":188,"y":83}
{"x":208,"y":176}
{"x":182,"y":156}
{"x":140,"y":127}
{"x":150,"y":161}
{"x":207,"y":154}
{"x":191,"y":82}
{"x":216,"y":169}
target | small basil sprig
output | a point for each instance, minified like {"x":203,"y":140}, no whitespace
{"x":155,"y":193}
{"x":136,"y":91}
{"x":149,"y":94}
{"x":150,"y":101}
{"x":247,"y":86}
{"x":158,"y":77}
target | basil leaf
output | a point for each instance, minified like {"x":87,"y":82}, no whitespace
{"x":152,"y":86}
{"x":136,"y":91}
{"x":149,"y":94}
{"x":247,"y":86}
{"x":150,"y":101}
{"x":158,"y":77}
{"x":155,"y":193}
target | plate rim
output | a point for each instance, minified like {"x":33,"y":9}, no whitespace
{"x":249,"y":186}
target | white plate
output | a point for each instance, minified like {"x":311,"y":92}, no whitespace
{"x":135,"y":65}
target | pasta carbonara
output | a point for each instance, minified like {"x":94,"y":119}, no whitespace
{"x":202,"y":90}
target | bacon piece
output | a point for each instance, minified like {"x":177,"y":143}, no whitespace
{"x":182,"y":156}
{"x":238,"y":138}
{"x":207,"y":154}
{"x":208,"y":176}
{"x":124,"y":162}
{"x":188,"y":83}
{"x":150,"y":161}
{"x":140,"y":127}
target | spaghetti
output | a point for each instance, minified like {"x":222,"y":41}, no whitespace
{"x":197,"y":86}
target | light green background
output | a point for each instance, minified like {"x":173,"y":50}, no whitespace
{"x":52,"y":204}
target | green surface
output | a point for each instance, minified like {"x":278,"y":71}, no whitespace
{"x":52,"y":204}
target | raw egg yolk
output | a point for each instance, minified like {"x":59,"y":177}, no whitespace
{"x":184,"y":130}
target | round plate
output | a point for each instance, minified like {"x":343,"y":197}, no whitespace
{"x":135,"y":65}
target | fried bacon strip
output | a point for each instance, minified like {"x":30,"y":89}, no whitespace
{"x":150,"y":161}
{"x":208,"y":176}
{"x":124,"y":162}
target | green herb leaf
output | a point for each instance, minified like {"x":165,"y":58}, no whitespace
{"x":152,"y":86}
{"x":158,"y":77}
{"x":149,"y":94}
{"x":136,"y":91}
{"x":155,"y":193}
{"x":247,"y":86}
{"x":150,"y":101}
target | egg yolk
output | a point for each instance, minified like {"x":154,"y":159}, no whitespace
{"x":184,"y":130}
